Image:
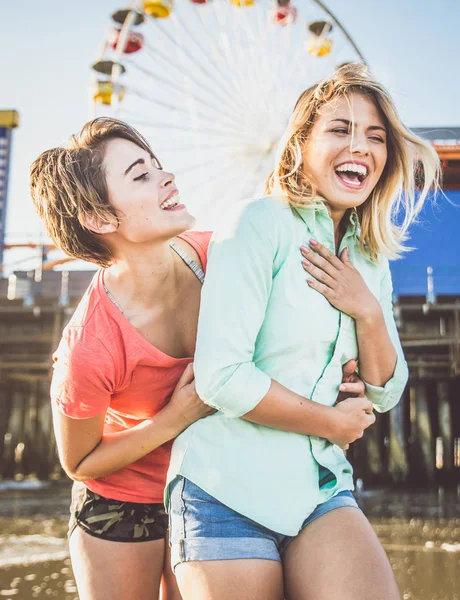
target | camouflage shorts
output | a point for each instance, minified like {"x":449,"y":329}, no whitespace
{"x":115,"y":520}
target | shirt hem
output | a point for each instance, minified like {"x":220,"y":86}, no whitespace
{"x":120,"y":497}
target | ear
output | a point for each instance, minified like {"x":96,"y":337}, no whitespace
{"x":98,"y":225}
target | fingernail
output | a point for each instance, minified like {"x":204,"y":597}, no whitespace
{"x":310,"y":281}
{"x":313,"y":242}
{"x":343,"y":388}
{"x":306,"y":263}
{"x":305,"y":249}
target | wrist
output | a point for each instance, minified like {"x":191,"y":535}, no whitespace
{"x":370,"y":314}
{"x":332,"y":422}
{"x":171,"y":422}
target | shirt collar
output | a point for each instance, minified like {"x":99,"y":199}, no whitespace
{"x":316,"y":211}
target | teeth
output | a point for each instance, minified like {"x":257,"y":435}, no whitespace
{"x":169,"y":203}
{"x":354,"y":168}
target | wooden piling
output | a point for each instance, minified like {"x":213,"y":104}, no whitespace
{"x":404,"y":447}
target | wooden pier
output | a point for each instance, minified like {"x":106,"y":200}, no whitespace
{"x":32,"y":316}
{"x":416,"y":444}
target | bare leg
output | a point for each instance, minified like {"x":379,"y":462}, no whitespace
{"x":338,"y":557}
{"x":107,"y":570}
{"x":246,"y":579}
{"x":169,"y":587}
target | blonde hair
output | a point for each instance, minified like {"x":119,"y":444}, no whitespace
{"x":411,"y":161}
{"x":68,"y":185}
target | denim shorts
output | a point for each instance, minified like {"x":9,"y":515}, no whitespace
{"x":202,"y":528}
{"x":114,"y":520}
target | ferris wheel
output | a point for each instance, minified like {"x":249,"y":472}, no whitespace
{"x":211,"y":84}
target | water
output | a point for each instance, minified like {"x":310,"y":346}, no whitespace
{"x":421,"y":535}
{"x":420,"y":532}
{"x":34,"y":559}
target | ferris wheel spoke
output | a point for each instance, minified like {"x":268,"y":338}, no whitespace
{"x":154,"y":100}
{"x":177,"y":41}
{"x":271,"y":65}
{"x":175,"y":127}
{"x":198,"y":64}
{"x":342,"y":29}
{"x":237,"y":190}
{"x":198,"y":166}
{"x":237,"y":62}
{"x":200,"y":146}
{"x":224,"y":180}
{"x":298,"y":66}
{"x":210,"y":56}
{"x":229,"y":56}
{"x":220,"y":126}
{"x":242,"y":60}
{"x":255,"y":78}
{"x":278,"y":81}
{"x":224,"y":54}
{"x":156,"y":77}
{"x":227,"y":116}
{"x":240,"y":190}
{"x":202,"y":86}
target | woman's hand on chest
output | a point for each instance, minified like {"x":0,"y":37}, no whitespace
{"x":338,"y":280}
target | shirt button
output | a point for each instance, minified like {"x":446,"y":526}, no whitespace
{"x":327,"y":245}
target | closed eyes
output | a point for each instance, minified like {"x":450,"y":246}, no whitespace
{"x":142,"y":177}
{"x":343,"y":131}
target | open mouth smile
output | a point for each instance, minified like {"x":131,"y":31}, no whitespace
{"x":352,"y":175}
{"x":172,"y":202}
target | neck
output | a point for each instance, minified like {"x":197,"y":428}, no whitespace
{"x":337,"y":215}
{"x":145,"y":276}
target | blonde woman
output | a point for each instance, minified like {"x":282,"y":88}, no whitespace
{"x":257,"y":508}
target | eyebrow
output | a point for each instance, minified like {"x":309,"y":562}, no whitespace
{"x":139,"y":161}
{"x":348,"y":124}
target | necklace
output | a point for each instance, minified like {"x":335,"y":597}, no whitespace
{"x":184,"y":256}
{"x":113,"y":300}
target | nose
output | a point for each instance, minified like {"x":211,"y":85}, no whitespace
{"x":168,"y":179}
{"x":359,"y":143}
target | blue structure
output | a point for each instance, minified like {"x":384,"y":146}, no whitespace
{"x":436,"y":239}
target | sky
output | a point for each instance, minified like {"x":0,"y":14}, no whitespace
{"x":47,"y":49}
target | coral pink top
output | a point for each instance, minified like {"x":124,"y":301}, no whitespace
{"x":104,"y":364}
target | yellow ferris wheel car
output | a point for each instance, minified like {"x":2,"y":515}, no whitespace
{"x":158,"y":9}
{"x":104,"y":92}
{"x":319,"y":46}
{"x":242,"y":2}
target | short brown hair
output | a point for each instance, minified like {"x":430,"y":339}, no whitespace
{"x":68,"y":183}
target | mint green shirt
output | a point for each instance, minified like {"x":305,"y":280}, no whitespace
{"x":259,"y":321}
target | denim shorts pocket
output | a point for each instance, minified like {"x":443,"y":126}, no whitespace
{"x":193,"y":493}
{"x":176,"y":511}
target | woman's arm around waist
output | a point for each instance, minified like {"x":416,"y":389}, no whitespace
{"x":87,"y":453}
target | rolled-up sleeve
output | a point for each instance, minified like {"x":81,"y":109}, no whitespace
{"x":384,"y":398}
{"x":233,"y":304}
